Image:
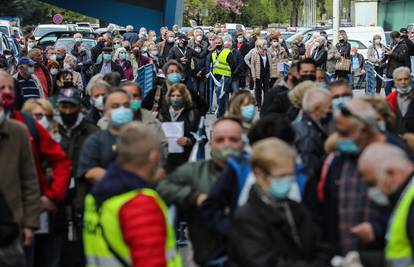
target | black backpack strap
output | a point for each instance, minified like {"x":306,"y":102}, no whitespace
{"x":31,"y":124}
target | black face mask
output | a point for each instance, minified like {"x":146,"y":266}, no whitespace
{"x":342,"y":41}
{"x":219,"y":47}
{"x":307,"y":77}
{"x":67,"y":84}
{"x":69,"y":119}
{"x":294,"y":80}
{"x":184,"y":43}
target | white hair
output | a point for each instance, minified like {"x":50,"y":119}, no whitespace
{"x":129,"y":28}
{"x":378,"y":157}
{"x":315,"y":98}
{"x":399,"y":70}
{"x":362,"y":112}
{"x":61,"y":47}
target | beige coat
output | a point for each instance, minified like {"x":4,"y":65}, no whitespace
{"x":276,"y":55}
{"x":18,"y":177}
{"x":253,"y":61}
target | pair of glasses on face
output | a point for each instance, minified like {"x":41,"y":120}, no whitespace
{"x":346,"y":112}
{"x":39,"y":116}
{"x":342,"y":95}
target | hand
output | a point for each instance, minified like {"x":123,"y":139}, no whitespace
{"x":364,"y":232}
{"x":158,"y":176}
{"x":199,"y":74}
{"x":27,"y":237}
{"x":184,"y":141}
{"x":94,"y":175}
{"x":46,"y":204}
{"x":201,"y":198}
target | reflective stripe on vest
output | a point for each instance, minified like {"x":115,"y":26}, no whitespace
{"x":220,"y":65}
{"x":398,"y":252}
{"x":102,"y":235}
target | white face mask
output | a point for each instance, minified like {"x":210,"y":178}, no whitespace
{"x":53,"y":57}
{"x":53,"y":71}
{"x":377,"y":41}
{"x":199,"y":38}
{"x":171,"y":40}
{"x":240,"y":40}
{"x":99,"y":103}
{"x":66,"y":66}
{"x":44,"y":122}
{"x":316,"y":44}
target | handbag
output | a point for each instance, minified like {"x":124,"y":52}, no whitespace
{"x":343,"y":64}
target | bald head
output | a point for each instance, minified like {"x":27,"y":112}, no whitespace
{"x":385,"y":166}
{"x":226,"y":132}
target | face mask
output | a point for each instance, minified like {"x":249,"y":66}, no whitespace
{"x":30,"y":46}
{"x":307,"y":77}
{"x":122,"y":56}
{"x":382,"y":126}
{"x":69,"y":119}
{"x":53,"y":71}
{"x":67,"y":84}
{"x":248,"y":112}
{"x":199,"y":38}
{"x":53,"y":57}
{"x":219,"y":47}
{"x":174,"y":77}
{"x":170,"y":40}
{"x":78,"y":40}
{"x":116,"y":46}
{"x":240,"y":40}
{"x":221,"y":155}
{"x":347,"y":146}
{"x":177,"y":102}
{"x":154,"y":53}
{"x":342,"y":41}
{"x":352,"y":53}
{"x":66,"y":66}
{"x":404,"y":91}
{"x":30,"y":70}
{"x":316,"y":44}
{"x":280,"y":187}
{"x":44,"y":122}
{"x":337,"y":103}
{"x":58,"y":57}
{"x":121,"y":116}
{"x":136,"y":105}
{"x":184,"y":42}
{"x":197,"y":49}
{"x":107,"y":57}
{"x":377,"y":41}
{"x":322,"y":85}
{"x":98,"y":103}
{"x":144,"y":49}
{"x":378,"y":197}
{"x":275,"y":44}
{"x":7,"y":100}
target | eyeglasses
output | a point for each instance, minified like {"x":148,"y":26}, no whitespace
{"x":346,"y":112}
{"x":342,"y":95}
{"x":39,"y":116}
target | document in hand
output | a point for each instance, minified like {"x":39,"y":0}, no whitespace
{"x":173,"y":131}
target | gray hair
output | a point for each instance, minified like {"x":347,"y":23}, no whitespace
{"x":71,"y":60}
{"x":400,"y":70}
{"x":314,"y":98}
{"x":61,"y":47}
{"x":129,"y":28}
{"x":97,"y":78}
{"x":378,"y":157}
{"x":135,"y":143}
{"x":321,"y":40}
{"x":362,"y":112}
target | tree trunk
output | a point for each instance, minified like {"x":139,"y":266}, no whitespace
{"x":294,"y":13}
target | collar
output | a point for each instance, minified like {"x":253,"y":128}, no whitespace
{"x":395,"y":197}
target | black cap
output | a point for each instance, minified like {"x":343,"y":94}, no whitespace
{"x":182,"y":36}
{"x":107,"y":49}
{"x":69,"y":95}
{"x":404,"y":30}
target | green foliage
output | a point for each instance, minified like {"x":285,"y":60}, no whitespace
{"x":197,"y":10}
{"x":68,"y":16}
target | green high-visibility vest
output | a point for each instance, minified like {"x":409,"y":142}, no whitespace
{"x":220,"y":65}
{"x":102,"y":234}
{"x":398,"y":252}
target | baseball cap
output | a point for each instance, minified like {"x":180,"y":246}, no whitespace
{"x":69,"y":95}
{"x":25,"y":60}
{"x":404,"y":30}
{"x":182,"y":36}
{"x":107,"y":49}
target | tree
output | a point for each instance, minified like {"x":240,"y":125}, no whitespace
{"x":233,"y":6}
{"x":197,"y":10}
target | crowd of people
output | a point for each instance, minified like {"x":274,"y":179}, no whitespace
{"x":299,"y":170}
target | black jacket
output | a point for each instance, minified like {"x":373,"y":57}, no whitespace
{"x":270,"y":96}
{"x":200,"y":61}
{"x":399,"y":57}
{"x":178,"y":53}
{"x":190,"y":117}
{"x":281,"y":104}
{"x":262,"y":236}
{"x":320,"y":58}
{"x":93,"y":115}
{"x":409,"y":44}
{"x":114,"y":68}
{"x":309,"y":143}
{"x":344,"y":49}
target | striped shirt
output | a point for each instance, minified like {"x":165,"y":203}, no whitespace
{"x":29,"y":88}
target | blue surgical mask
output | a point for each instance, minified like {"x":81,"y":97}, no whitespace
{"x":116,"y":46}
{"x":177,"y":102}
{"x":280,"y":187}
{"x":30,"y":70}
{"x":174,"y":77}
{"x":404,"y":91}
{"x":382,"y":126}
{"x":121,"y":116}
{"x":347,"y":146}
{"x":248,"y":112}
{"x":378,"y":197}
{"x":122,"y":56}
{"x":107,"y":57}
{"x":78,"y":40}
{"x":337,"y":103}
{"x":136,"y":105}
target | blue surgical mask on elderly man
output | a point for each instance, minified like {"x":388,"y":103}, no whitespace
{"x":280,"y":187}
{"x":121,"y":116}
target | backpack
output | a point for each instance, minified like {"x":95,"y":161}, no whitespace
{"x":31,"y":124}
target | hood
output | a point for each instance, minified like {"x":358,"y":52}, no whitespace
{"x":115,"y":182}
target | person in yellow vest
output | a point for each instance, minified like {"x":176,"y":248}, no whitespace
{"x":125,"y":221}
{"x":221,"y":63}
{"x":389,"y":173}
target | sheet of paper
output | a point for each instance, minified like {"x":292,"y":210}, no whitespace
{"x":280,"y":67}
{"x":173,"y":131}
{"x":44,"y":223}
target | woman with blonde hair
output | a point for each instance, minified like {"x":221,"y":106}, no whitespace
{"x":376,"y":56}
{"x":180,"y":108}
{"x":43,"y":112}
{"x":386,"y":119}
{"x":242,"y":105}
{"x":259,"y":64}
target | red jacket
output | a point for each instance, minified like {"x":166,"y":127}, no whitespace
{"x":51,"y":152}
{"x":144,"y":230}
{"x":392,"y":100}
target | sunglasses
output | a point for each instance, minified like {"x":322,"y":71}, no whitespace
{"x":346,"y":112}
{"x":39,"y":116}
